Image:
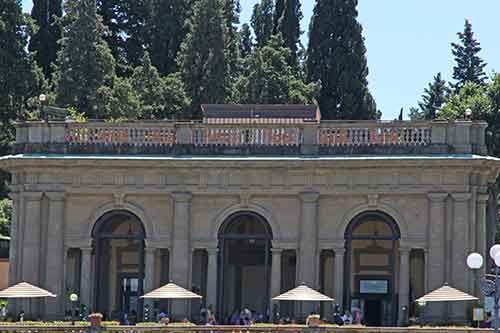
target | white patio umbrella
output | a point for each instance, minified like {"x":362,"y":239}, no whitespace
{"x":25,"y":290}
{"x":303,"y":293}
{"x":171,"y":291}
{"x":446,"y":294}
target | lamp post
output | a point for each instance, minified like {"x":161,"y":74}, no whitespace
{"x":489,"y":287}
{"x":422,"y":304}
{"x":43,"y":112}
{"x":73,"y":298}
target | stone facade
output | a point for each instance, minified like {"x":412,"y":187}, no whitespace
{"x":438,"y":202}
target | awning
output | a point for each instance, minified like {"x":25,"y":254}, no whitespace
{"x":25,"y":290}
{"x":446,"y":294}
{"x":171,"y":291}
{"x":303,"y":293}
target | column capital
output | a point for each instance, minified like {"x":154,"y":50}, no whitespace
{"x":13,"y":195}
{"x":212,"y":251}
{"x":276,"y":250}
{"x":437,"y":196}
{"x":56,"y":196}
{"x":404,"y":250}
{"x":150,"y":249}
{"x":482,"y":198}
{"x":460,"y":197}
{"x":32,"y":196}
{"x":309,"y":197}
{"x":182,"y":196}
{"x":339,"y":251}
{"x":86,"y":250}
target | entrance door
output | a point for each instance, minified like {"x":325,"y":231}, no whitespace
{"x":128,"y":292}
{"x":373,"y":312}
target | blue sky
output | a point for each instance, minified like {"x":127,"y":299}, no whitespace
{"x":408,"y":42}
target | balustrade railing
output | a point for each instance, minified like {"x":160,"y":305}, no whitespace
{"x":338,"y":136}
{"x":305,"y":138}
{"x":107,"y":134}
{"x":243,"y":136}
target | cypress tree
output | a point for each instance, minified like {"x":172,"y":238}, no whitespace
{"x":271,"y":80}
{"x":434,"y":98}
{"x":84,"y":62}
{"x":231,"y":11}
{"x":246,"y":44}
{"x":262,"y":21}
{"x":469,"y":66}
{"x":167,"y":30}
{"x":202,"y":58}
{"x":289,"y":27}
{"x":279,"y":8}
{"x":336,"y":57}
{"x":126,"y":30}
{"x":44,"y":42}
{"x":20,"y":78}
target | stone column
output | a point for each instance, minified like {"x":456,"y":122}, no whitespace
{"x":436,"y":261}
{"x":481,"y":222}
{"x":86,"y":294}
{"x":276,"y":272}
{"x":13,"y":246}
{"x":459,"y":251}
{"x":338,"y":275}
{"x":404,"y":284}
{"x":436,"y":268}
{"x":307,"y":259}
{"x":54,"y":272}
{"x":308,"y":239}
{"x":149,"y":273}
{"x":212,"y":278}
{"x":180,"y":261}
{"x":31,"y":245}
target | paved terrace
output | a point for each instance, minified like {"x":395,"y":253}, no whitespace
{"x":315,"y":138}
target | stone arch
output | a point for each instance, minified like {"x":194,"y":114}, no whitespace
{"x":126,"y":206}
{"x":381,"y":207}
{"x":227,"y":212}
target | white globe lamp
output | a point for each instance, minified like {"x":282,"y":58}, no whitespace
{"x":494,"y":250}
{"x":73,"y":297}
{"x":475,"y":261}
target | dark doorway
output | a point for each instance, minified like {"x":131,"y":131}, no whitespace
{"x":244,"y":265}
{"x":119,"y":261}
{"x":373,"y":312}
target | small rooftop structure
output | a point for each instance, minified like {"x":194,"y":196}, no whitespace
{"x":259,"y":114}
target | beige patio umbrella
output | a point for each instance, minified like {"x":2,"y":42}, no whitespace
{"x":303,"y":293}
{"x":446,"y":294}
{"x":25,"y":290}
{"x":171,"y":291}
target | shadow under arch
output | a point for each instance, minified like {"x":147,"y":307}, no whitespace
{"x":371,"y":261}
{"x":244,"y":242}
{"x":118,"y":239}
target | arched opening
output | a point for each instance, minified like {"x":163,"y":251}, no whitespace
{"x":119,"y":265}
{"x":244,"y":265}
{"x":372,"y":241}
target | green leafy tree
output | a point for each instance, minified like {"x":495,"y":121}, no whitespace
{"x":493,"y":118}
{"x":126,"y":30}
{"x":471,"y":96}
{"x":5,"y":216}
{"x":44,"y":41}
{"x":262,"y":21}
{"x":434,"y":98}
{"x":84,"y":63}
{"x":469,"y":66}
{"x":20,"y":79}
{"x":336,"y":57}
{"x":202,"y":58}
{"x":271,"y":79}
{"x":246,"y":43}
{"x":167,"y":30}
{"x":159,"y":98}
{"x":120,"y":102}
{"x":289,"y":28}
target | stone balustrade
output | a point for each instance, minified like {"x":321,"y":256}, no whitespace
{"x":323,"y":138}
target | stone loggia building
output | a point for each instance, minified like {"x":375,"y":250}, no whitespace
{"x":247,"y":203}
